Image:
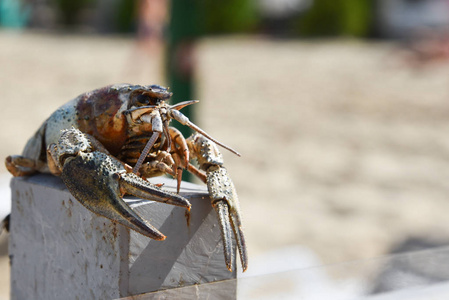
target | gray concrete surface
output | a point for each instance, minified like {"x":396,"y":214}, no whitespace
{"x":60,"y":250}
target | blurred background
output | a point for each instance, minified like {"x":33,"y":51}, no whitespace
{"x":339,"y":108}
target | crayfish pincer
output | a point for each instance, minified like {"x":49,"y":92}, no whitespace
{"x":107,"y":142}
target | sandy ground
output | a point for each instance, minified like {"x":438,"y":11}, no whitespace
{"x":344,"y":148}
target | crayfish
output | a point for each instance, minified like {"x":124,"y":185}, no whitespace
{"x":107,"y":142}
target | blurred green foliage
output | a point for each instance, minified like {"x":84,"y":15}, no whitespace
{"x":211,"y":16}
{"x":125,"y":17}
{"x":323,"y":18}
{"x":70,"y":10}
{"x":229,"y":16}
{"x":336,"y":18}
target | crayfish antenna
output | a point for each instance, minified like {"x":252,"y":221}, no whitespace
{"x":183,"y":104}
{"x":181,"y":118}
{"x":197,"y":129}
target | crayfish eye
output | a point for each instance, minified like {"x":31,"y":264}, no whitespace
{"x":143,"y":99}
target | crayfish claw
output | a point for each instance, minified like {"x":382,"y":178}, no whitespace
{"x":99,"y":191}
{"x":240,"y":238}
{"x":98,"y":181}
{"x":134,"y":185}
{"x":222,"y":194}
{"x":225,"y":201}
{"x":221,"y":208}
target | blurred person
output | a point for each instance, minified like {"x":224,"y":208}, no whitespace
{"x":426,"y":47}
{"x":152,"y":20}
{"x":147,"y":58}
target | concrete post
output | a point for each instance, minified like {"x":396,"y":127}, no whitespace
{"x":60,"y":250}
